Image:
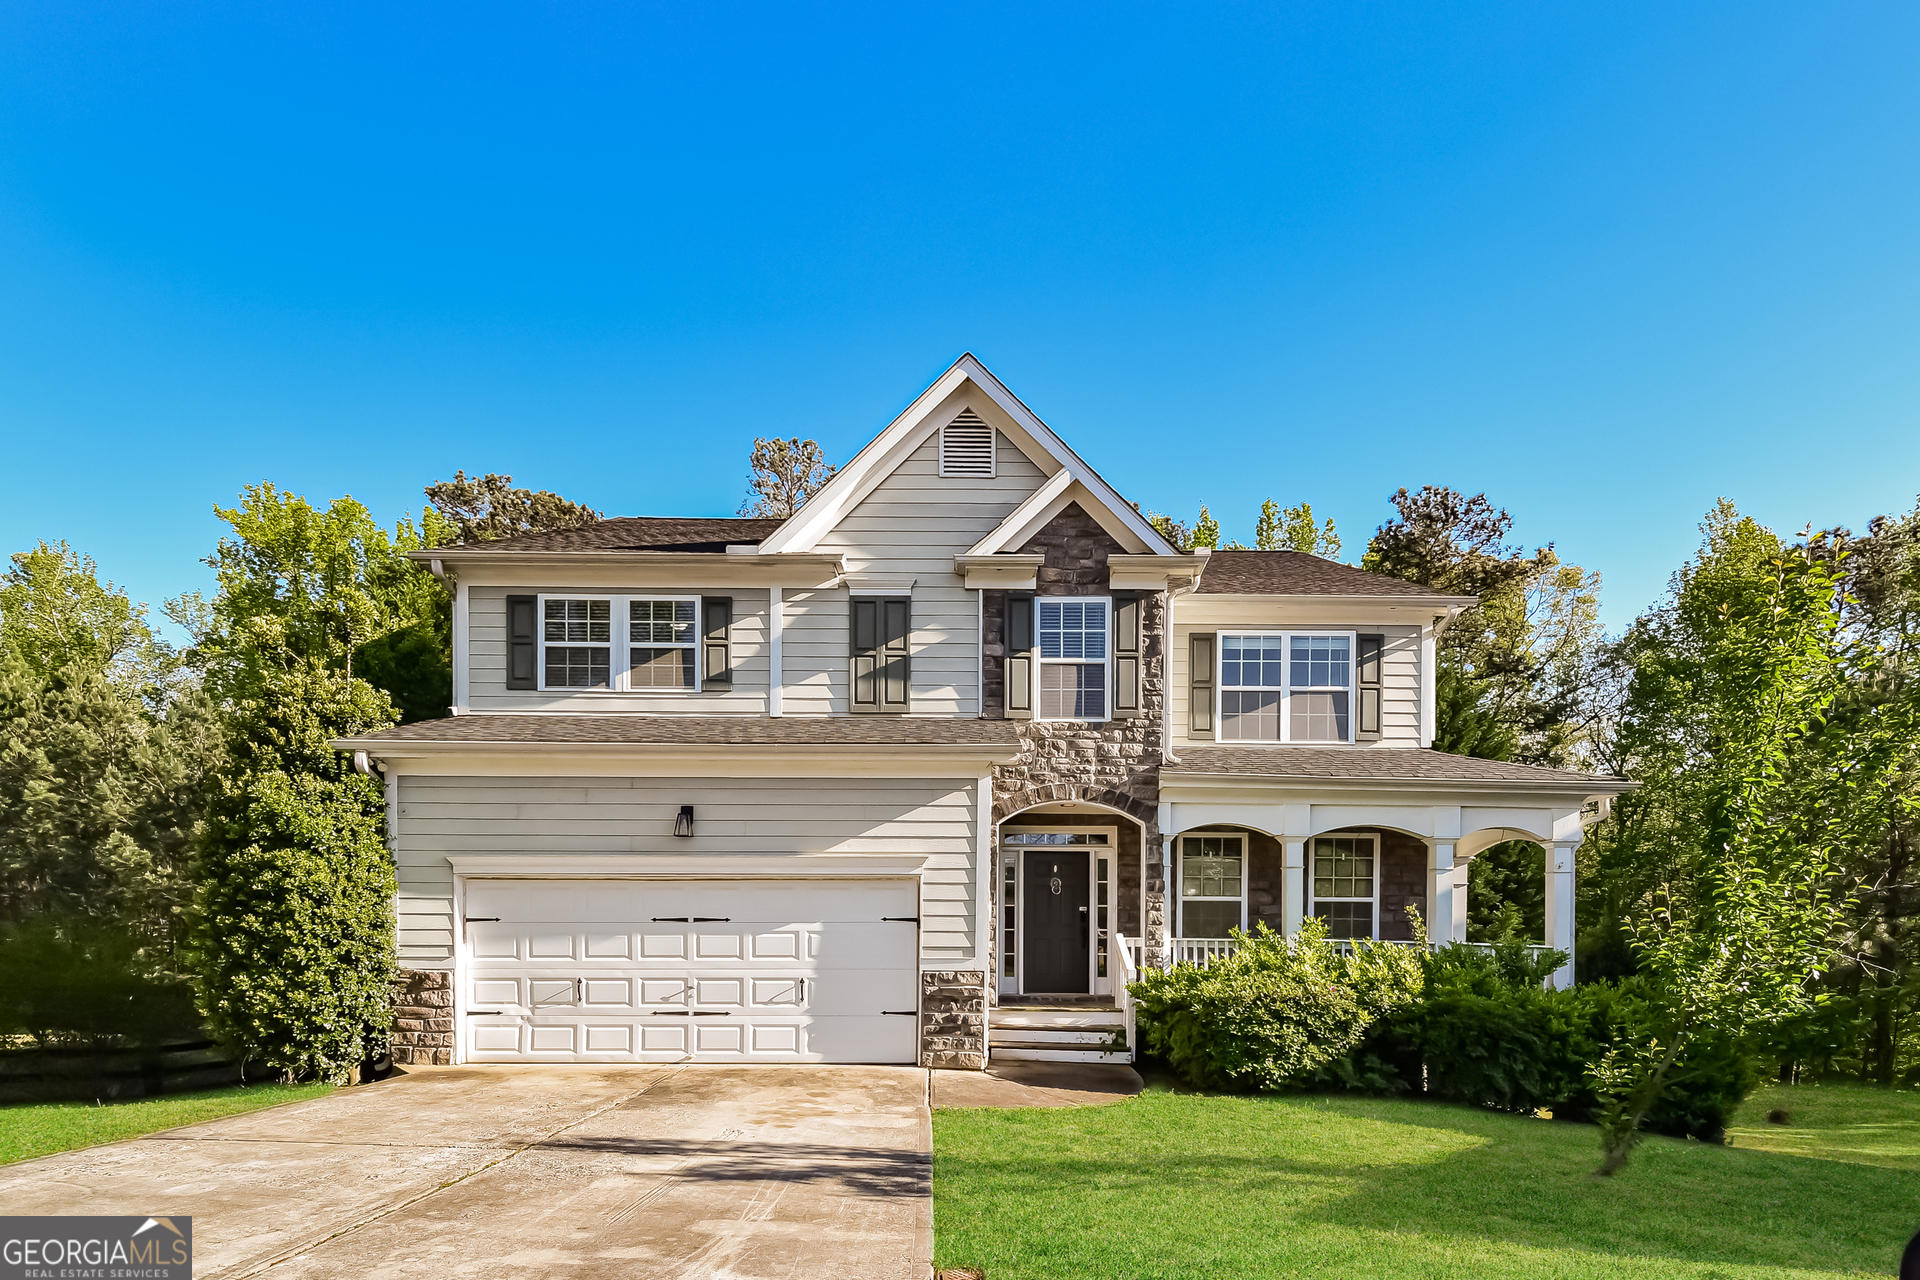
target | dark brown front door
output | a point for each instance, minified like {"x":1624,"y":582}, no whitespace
{"x":1055,"y":921}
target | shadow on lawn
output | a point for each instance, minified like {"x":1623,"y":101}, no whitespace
{"x":1505,"y":1179}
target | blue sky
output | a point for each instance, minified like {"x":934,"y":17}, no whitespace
{"x":1603,"y":262}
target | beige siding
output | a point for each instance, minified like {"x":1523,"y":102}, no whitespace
{"x":911,"y":527}
{"x":451,"y":816}
{"x":1399,"y":676}
{"x":814,"y":657}
{"x":487,"y":661}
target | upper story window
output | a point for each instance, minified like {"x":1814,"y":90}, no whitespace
{"x":1073,"y":653}
{"x":658,"y":637}
{"x":1286,"y":687}
{"x":967,"y":446}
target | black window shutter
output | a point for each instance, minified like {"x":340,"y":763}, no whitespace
{"x":896,"y":653}
{"x":716,"y":642}
{"x":1200,"y":683}
{"x":1019,"y":678}
{"x":523,"y":642}
{"x":1366,"y":669}
{"x":880,"y":633}
{"x":1126,"y":656}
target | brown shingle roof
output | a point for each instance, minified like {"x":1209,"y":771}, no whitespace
{"x":1290,"y":573}
{"x":693,"y":731}
{"x":641,"y":533}
{"x":1376,"y":764}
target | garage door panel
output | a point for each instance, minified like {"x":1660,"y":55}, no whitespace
{"x":806,"y":982}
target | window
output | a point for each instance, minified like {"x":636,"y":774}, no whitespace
{"x":1344,"y":885}
{"x":578,"y":638}
{"x":1285,"y":687}
{"x":580,"y":635}
{"x":660,"y":636}
{"x":1073,"y":659}
{"x":1318,"y":688}
{"x":1212,"y":885}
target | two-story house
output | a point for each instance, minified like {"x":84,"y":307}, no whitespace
{"x":963,"y":732}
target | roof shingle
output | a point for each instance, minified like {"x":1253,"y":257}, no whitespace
{"x":642,"y":533}
{"x":693,"y":731}
{"x":1295,"y":573}
{"x":1376,"y":764}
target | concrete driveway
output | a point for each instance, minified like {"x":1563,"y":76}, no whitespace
{"x":539,"y":1171}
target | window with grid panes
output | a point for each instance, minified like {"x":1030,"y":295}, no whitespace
{"x":661,"y":639}
{"x":1319,"y":688}
{"x":1212,"y":886}
{"x":1072,"y":637}
{"x":1252,"y":681}
{"x":1285,"y":687}
{"x":577,"y":639}
{"x":1345,"y":884}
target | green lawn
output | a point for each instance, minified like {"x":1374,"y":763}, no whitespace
{"x":40,"y":1129}
{"x":1196,"y":1186}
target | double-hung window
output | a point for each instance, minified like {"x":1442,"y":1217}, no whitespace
{"x":655,"y":639}
{"x":1286,"y":687}
{"x":1072,"y":635}
{"x":576,"y":637}
{"x":660,"y":643}
{"x":1346,"y":885}
{"x":1213,"y":883}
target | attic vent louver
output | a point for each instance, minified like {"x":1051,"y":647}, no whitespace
{"x":966,"y":446}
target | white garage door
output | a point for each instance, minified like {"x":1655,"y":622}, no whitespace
{"x":692,"y":970}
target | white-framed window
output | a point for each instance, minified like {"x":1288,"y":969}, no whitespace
{"x":1286,"y":686}
{"x":1344,"y":885}
{"x":623,"y":644}
{"x":1213,"y":885}
{"x":1074,"y":657}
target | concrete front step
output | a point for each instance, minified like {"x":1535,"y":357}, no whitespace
{"x":1055,"y":1019}
{"x":1048,"y":1037}
{"x":1122,"y":1057}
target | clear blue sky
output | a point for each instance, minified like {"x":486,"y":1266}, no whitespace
{"x":1603,"y":262}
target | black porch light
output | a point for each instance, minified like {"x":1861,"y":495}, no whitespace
{"x":683,"y":821}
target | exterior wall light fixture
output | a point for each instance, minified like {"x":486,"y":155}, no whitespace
{"x":683,"y":821}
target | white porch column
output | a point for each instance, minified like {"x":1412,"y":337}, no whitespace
{"x":1458,"y":930}
{"x":1560,"y":906}
{"x":1293,"y":886}
{"x":776,"y":627}
{"x":1440,"y":891}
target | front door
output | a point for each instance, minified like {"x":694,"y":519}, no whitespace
{"x":1055,"y":921}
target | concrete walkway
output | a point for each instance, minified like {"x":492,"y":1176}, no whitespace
{"x":537,"y":1171}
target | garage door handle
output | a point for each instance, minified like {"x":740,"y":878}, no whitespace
{"x":712,"y":1013}
{"x":901,"y":919}
{"x":899,"y":1013}
{"x":483,"y":919}
{"x":670,"y":920}
{"x":669,"y":1013}
{"x":482,"y":1013}
{"x":712,"y":920}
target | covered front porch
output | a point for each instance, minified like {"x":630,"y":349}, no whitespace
{"x":1248,"y":841}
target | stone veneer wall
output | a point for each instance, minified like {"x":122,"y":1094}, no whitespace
{"x":423,"y":1018}
{"x":1115,"y":764}
{"x":953,"y":1018}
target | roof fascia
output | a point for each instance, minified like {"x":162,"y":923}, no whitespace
{"x":1174,"y":776}
{"x":392,"y":749}
{"x":1425,"y":603}
{"x":1030,"y":514}
{"x":873,"y":463}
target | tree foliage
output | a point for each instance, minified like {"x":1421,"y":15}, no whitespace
{"x":784,"y":475}
{"x":294,"y":935}
{"x":1293,"y":529}
{"x":488,"y":508}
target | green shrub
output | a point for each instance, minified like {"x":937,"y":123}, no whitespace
{"x":1272,"y":1013}
{"x":72,"y":981}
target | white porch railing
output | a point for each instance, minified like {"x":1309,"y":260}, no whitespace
{"x":1128,"y":973}
{"x":1204,"y":951}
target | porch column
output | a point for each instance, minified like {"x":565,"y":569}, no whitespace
{"x":1440,"y":891}
{"x":1293,"y":886}
{"x":1560,"y":917}
{"x":1458,"y":930}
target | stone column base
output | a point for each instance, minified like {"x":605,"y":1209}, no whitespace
{"x":953,"y":1018}
{"x":423,"y":1018}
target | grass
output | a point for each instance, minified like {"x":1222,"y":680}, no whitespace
{"x":42,"y":1128}
{"x":1197,"y":1186}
